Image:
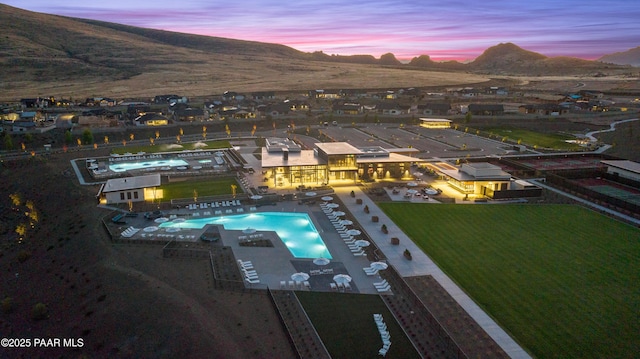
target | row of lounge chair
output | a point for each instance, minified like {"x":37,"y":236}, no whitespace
{"x":129,"y":232}
{"x":250,"y":274}
{"x":295,"y":284}
{"x":382,"y":286}
{"x":321,"y":271}
{"x":250,"y":236}
{"x":370,"y":271}
{"x":342,"y":231}
{"x":384,"y":334}
{"x":205,"y":205}
{"x":343,"y":287}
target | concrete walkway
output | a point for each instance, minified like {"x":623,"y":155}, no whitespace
{"x":420,"y":264}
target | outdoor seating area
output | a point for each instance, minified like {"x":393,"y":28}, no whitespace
{"x":340,"y":224}
{"x":382,"y":286}
{"x":129,"y":232}
{"x":384,"y":334}
{"x":248,"y":271}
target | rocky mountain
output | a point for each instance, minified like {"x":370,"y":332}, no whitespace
{"x":629,"y":57}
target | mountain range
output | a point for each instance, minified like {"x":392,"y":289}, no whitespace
{"x":53,"y":50}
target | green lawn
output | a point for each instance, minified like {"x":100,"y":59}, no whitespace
{"x":531,"y":138}
{"x":345,"y":324}
{"x":211,"y":145}
{"x":563,"y":280}
{"x":203,"y":188}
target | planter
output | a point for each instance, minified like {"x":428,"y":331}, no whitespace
{"x":358,"y":200}
{"x":366,"y":209}
{"x":407,"y":254}
{"x":384,"y":229}
{"x":374,"y":219}
{"x":395,"y":241}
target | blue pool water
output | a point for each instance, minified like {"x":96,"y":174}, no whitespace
{"x":128,"y":166}
{"x":295,"y":229}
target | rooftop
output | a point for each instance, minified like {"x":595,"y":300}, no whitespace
{"x":128,"y":183}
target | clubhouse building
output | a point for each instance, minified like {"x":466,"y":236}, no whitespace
{"x":286,"y":164}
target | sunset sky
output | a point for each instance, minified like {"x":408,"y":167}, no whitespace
{"x":444,"y":30}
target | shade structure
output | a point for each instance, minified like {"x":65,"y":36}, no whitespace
{"x":362,"y":243}
{"x":256,"y":197}
{"x":338,"y":213}
{"x":151,"y":229}
{"x":412,"y":191}
{"x":333,"y":205}
{"x":300,"y":276}
{"x":379,"y":265}
{"x":321,"y":261}
{"x":249,"y":230}
{"x":346,"y":222}
{"x":412,"y":184}
{"x":354,"y":232}
{"x":327,"y":198}
{"x":342,"y":278}
{"x":161,"y":220}
{"x":310,"y":194}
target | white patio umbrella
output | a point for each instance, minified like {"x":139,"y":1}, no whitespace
{"x":327,"y":198}
{"x":338,"y":213}
{"x":161,"y":220}
{"x":342,"y":278}
{"x":431,"y":191}
{"x":354,"y":232}
{"x":249,"y":230}
{"x":333,"y":205}
{"x":346,"y":222}
{"x":310,"y":194}
{"x":151,"y":229}
{"x":321,"y":261}
{"x":173,"y":229}
{"x":379,"y":265}
{"x":256,"y":197}
{"x":299,"y":277}
{"x":412,"y":184}
{"x":412,"y":191}
{"x":362,"y":243}
{"x":178,"y":220}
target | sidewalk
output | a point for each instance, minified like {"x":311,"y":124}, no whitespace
{"x":420,"y":264}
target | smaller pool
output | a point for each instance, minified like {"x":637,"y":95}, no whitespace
{"x":128,"y":166}
{"x":296,"y":230}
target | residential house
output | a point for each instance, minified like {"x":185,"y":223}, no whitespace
{"x":392,"y":108}
{"x":151,"y":119}
{"x":545,"y":109}
{"x":189,"y":114}
{"x":348,"y":109}
{"x":433,"y":109}
{"x":486,"y":109}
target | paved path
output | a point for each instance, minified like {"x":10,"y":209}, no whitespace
{"x":420,"y":265}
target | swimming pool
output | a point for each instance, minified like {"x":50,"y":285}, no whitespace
{"x":295,"y":229}
{"x":128,"y":166}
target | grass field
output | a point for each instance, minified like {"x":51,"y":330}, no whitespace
{"x":211,"y":145}
{"x":532,"y":138}
{"x":202,"y":188}
{"x":561,"y":279}
{"x":345,"y":324}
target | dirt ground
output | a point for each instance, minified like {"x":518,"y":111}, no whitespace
{"x":122,"y":301}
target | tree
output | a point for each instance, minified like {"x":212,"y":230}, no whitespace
{"x":68,"y":137}
{"x":39,"y":311}
{"x":87,"y":137}
{"x":8,"y":142}
{"x":467,"y":117}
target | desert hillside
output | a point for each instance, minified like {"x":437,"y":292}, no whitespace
{"x":72,"y":57}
